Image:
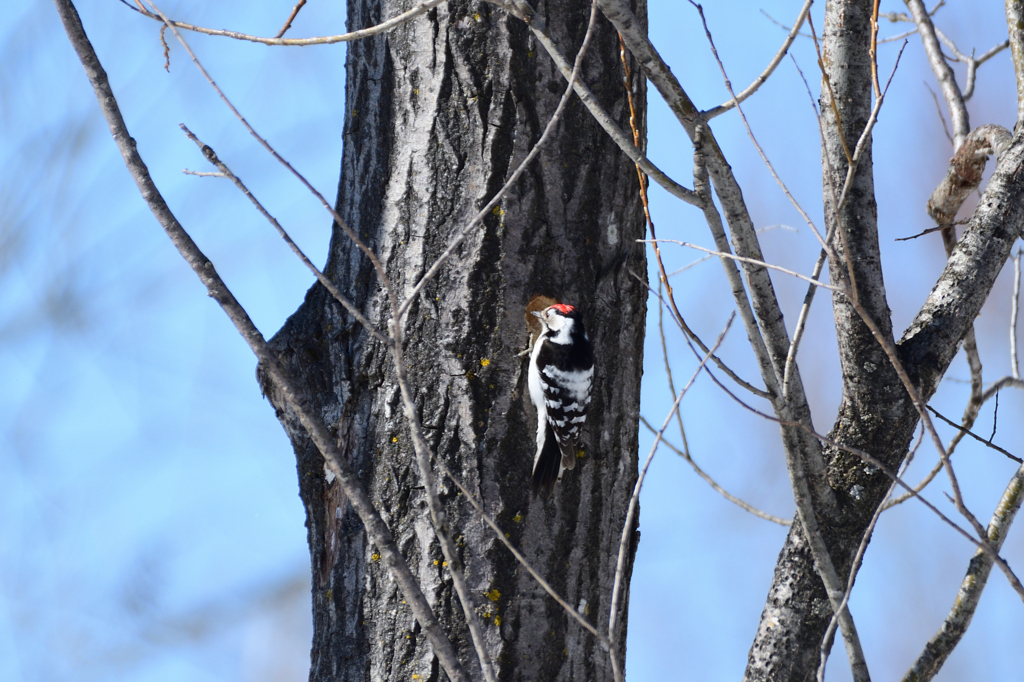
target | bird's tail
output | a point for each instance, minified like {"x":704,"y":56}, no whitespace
{"x":547,"y":466}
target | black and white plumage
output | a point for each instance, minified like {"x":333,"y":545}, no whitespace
{"x":560,"y":379}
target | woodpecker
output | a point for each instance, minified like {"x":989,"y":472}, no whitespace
{"x":560,"y":377}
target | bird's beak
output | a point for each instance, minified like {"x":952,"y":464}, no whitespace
{"x":536,"y":313}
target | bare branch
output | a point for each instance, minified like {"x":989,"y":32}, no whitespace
{"x":692,"y":336}
{"x":203,"y":174}
{"x":266,"y":145}
{"x":953,"y":627}
{"x":942,"y":70}
{"x":971,"y":62}
{"x":741,"y":259}
{"x":291,"y":18}
{"x":225,"y":172}
{"x":742,"y":504}
{"x":382,"y":27}
{"x":760,"y":80}
{"x":1015,"y":307}
{"x":766,"y":331}
{"x":750,"y":132}
{"x":714,"y":221}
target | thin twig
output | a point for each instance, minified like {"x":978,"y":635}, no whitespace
{"x":291,"y":18}
{"x":866,"y":135}
{"x":266,"y":145}
{"x":752,"y":261}
{"x":225,"y":172}
{"x":801,"y":322}
{"x":898,"y":36}
{"x":692,"y":336}
{"x":742,"y":504}
{"x":805,"y":308}
{"x":382,"y":27}
{"x":874,"y":74}
{"x":932,"y":230}
{"x":627,"y":526}
{"x":663,"y":279}
{"x":971,"y":61}
{"x":689,"y":265}
{"x":750,"y":132}
{"x":942,"y":117}
{"x":966,"y":431}
{"x":760,"y":80}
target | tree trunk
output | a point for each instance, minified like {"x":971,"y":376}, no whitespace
{"x":876,"y":414}
{"x":439,"y":112}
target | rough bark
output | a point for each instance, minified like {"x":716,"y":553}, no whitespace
{"x":438,"y":114}
{"x":875,"y":415}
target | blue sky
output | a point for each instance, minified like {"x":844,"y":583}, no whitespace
{"x":150,"y":526}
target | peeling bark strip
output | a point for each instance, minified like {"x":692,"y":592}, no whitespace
{"x":438,"y":114}
{"x":965,"y":171}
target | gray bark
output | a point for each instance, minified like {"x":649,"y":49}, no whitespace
{"x":876,"y":414}
{"x":438,"y":113}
